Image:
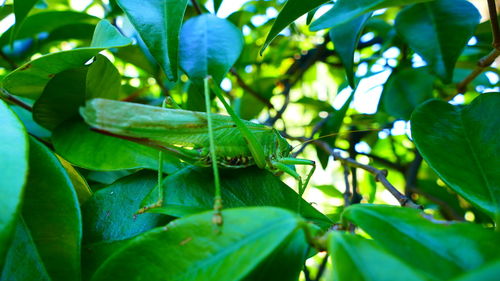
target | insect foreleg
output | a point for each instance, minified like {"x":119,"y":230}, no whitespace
{"x":282,"y":165}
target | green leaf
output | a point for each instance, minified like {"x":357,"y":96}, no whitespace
{"x":52,"y":214}
{"x":13,"y":172}
{"x":23,"y":261}
{"x":209,"y":46}
{"x":438,"y":31}
{"x":442,"y":250}
{"x":490,"y":271}
{"x":240,"y":188}
{"x":30,"y":79}
{"x":347,"y":10}
{"x":292,"y":10}
{"x":197,"y":252}
{"x":110,"y":215}
{"x":158,"y":22}
{"x":48,"y":21}
{"x":21,"y":10}
{"x":405,"y":90}
{"x":61,"y":98}
{"x":345,"y":38}
{"x":73,"y":140}
{"x":461,"y":145}
{"x":217,"y":4}
{"x":356,"y":258}
{"x":103,"y":80}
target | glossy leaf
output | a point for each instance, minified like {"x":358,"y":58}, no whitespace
{"x":23,"y":261}
{"x":292,"y":10}
{"x":103,"y":80}
{"x":73,"y":140}
{"x":110,"y":215}
{"x":465,"y":139}
{"x":405,"y":90}
{"x":21,"y":10}
{"x":30,"y":79}
{"x":356,"y":258}
{"x":48,"y":21}
{"x":209,"y":46}
{"x":441,"y":250}
{"x":159,"y":23}
{"x":13,"y":171}
{"x":347,"y":10}
{"x":438,"y":31}
{"x":345,"y":38}
{"x":240,"y":188}
{"x":61,"y":98}
{"x":52,"y":214}
{"x":196,"y":252}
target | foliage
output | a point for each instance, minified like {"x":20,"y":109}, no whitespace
{"x":397,"y":100}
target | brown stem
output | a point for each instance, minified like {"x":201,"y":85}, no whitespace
{"x":347,"y":192}
{"x":249,"y":89}
{"x":490,"y":58}
{"x":11,"y":99}
{"x":196,"y":6}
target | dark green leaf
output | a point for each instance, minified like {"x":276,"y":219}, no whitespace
{"x":30,"y":79}
{"x":356,"y":258}
{"x":441,"y":250}
{"x":21,"y":10}
{"x":158,"y":22}
{"x":438,"y":31}
{"x":209,"y":46}
{"x":103,"y":80}
{"x":345,"y":38}
{"x":461,"y":145}
{"x":217,"y":4}
{"x":292,"y":10}
{"x":197,"y":252}
{"x":73,"y":140}
{"x":405,"y":90}
{"x":193,"y":187}
{"x":13,"y":172}
{"x":347,"y":10}
{"x":52,"y":214}
{"x":61,"y":98}
{"x":110,"y":215}
{"x":23,"y":261}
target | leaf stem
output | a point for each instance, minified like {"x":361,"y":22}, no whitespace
{"x":196,"y":6}
{"x":11,"y":99}
{"x":488,"y":59}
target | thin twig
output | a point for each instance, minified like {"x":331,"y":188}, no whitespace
{"x":11,"y":99}
{"x":380,"y":175}
{"x":321,"y":268}
{"x":12,"y":64}
{"x":196,"y":7}
{"x":490,"y":58}
{"x":249,"y":89}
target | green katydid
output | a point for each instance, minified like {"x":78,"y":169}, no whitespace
{"x":186,"y":135}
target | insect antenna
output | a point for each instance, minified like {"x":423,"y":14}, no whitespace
{"x":304,"y":142}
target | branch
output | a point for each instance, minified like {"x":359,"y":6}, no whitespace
{"x":196,"y":6}
{"x":347,"y":192}
{"x":11,"y":99}
{"x":380,"y":175}
{"x":490,"y":58}
{"x":249,"y":90}
{"x":12,"y":64}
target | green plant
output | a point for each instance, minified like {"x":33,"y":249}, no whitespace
{"x":71,"y":195}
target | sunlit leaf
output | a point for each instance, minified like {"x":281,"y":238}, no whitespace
{"x":13,"y":172}
{"x":209,"y":46}
{"x":158,"y":22}
{"x":438,"y":31}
